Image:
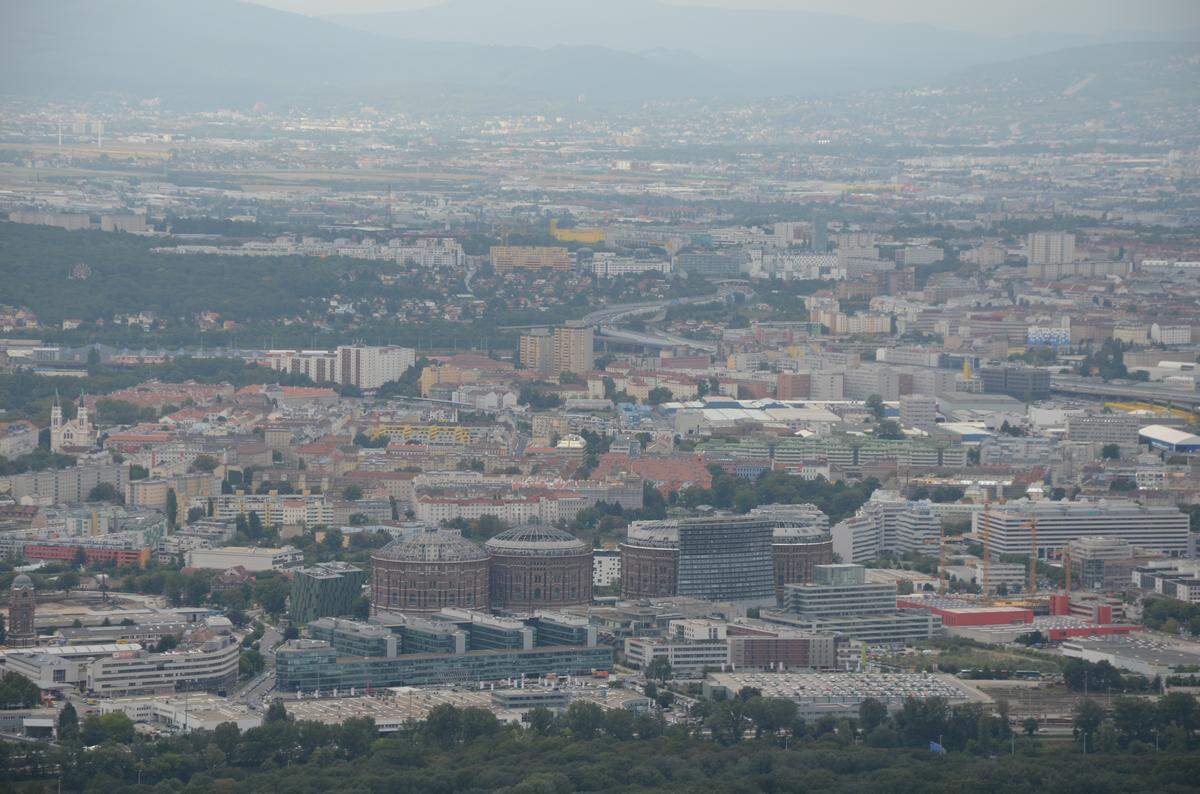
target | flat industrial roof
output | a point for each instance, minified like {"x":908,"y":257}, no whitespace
{"x":1169,"y":435}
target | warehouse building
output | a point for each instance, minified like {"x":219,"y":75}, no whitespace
{"x":1169,"y":439}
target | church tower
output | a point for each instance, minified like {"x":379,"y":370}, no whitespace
{"x":56,"y":424}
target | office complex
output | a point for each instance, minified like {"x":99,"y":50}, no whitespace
{"x":1180,"y":583}
{"x":437,"y":568}
{"x":453,"y":646}
{"x":718,"y":557}
{"x":708,"y":264}
{"x":1009,"y":531}
{"x":840,"y":601}
{"x":206,"y":659}
{"x":252,"y":558}
{"x":919,"y":411}
{"x":324,"y":589}
{"x":1103,"y":563}
{"x":1023,"y":383}
{"x":691,"y":647}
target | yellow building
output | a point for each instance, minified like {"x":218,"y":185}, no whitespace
{"x":586,"y":236}
{"x":507,"y":258}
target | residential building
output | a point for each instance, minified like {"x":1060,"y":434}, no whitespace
{"x":507,"y":258}
{"x":574,"y":350}
{"x":252,"y":558}
{"x":1049,"y":248}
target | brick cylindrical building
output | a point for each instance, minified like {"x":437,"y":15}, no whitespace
{"x":539,"y":568}
{"x":650,"y":560}
{"x":22,"y":633}
{"x":439,"y":568}
{"x":795,"y":550}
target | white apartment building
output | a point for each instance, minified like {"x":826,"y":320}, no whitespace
{"x":1050,"y":248}
{"x":547,"y":509}
{"x":251,"y":558}
{"x":275,"y":509}
{"x":606,"y":567}
{"x":429,"y":252}
{"x":348,"y":365}
{"x":887,"y":523}
{"x":1171,"y":334}
{"x":1162,"y":529}
{"x":609,"y":265}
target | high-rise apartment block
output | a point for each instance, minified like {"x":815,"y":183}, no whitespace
{"x":567,"y":349}
{"x":537,"y":350}
{"x":348,"y":365}
{"x":574,"y":350}
{"x":1050,"y":248}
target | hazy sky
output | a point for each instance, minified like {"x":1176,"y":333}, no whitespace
{"x":994,"y":16}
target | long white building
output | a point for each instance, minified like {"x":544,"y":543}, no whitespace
{"x":348,"y":365}
{"x":207,"y":659}
{"x":275,"y":509}
{"x":1162,"y":529}
{"x":252,"y":558}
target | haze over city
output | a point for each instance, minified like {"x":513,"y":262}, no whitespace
{"x":599,"y":395}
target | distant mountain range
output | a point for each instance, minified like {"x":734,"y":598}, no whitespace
{"x":766,"y":51}
{"x":228,"y":53}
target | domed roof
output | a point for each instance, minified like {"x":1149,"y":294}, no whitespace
{"x":799,"y":533}
{"x":433,"y":545}
{"x":21,"y":582}
{"x":536,"y":541}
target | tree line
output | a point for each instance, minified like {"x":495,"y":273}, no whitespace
{"x":587,"y":748}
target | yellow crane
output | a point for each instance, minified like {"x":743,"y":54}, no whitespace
{"x":942,"y":560}
{"x":987,"y":550}
{"x":1033,"y":556}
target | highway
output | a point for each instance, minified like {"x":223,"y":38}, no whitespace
{"x":605,"y":321}
{"x":654,"y":339}
{"x":1145,"y":392}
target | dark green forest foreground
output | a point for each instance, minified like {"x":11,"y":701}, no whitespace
{"x":592,"y":750}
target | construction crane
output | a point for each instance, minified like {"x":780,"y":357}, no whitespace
{"x":987,"y":561}
{"x":942,"y":559}
{"x":1033,"y":555}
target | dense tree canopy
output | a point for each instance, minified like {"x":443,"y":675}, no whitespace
{"x":742,"y":745}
